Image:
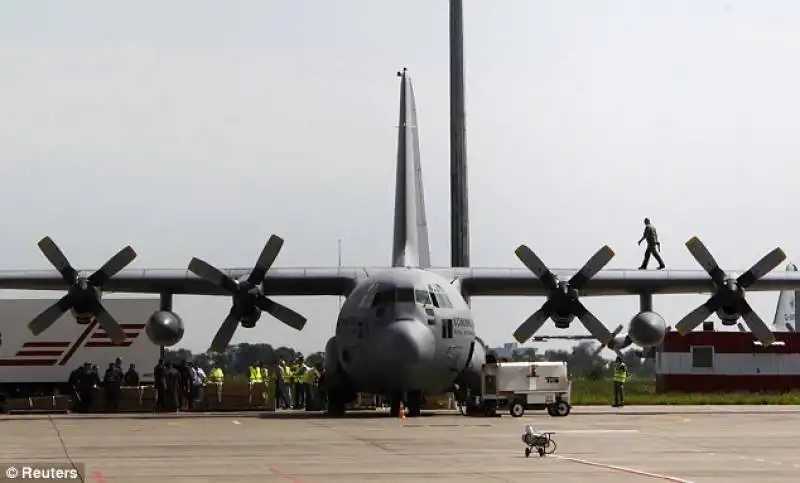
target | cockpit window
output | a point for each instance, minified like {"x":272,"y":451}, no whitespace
{"x":405,"y":294}
{"x":423,"y":297}
{"x":383,"y":297}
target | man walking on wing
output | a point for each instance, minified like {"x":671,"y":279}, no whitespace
{"x":653,"y":245}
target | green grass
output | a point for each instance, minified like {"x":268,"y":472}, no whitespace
{"x":642,"y":392}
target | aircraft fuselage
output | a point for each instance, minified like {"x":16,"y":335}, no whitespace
{"x":403,"y":330}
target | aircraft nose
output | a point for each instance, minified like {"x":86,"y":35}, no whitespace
{"x":408,"y":342}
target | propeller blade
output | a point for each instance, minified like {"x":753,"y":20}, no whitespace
{"x":50,"y":315}
{"x":608,"y":344}
{"x":226,"y":330}
{"x":705,"y":259}
{"x":537,"y":266}
{"x":108,"y":323}
{"x":592,"y":324}
{"x":590,"y":269}
{"x":116,"y":263}
{"x":761,"y":268}
{"x":266,"y":259}
{"x":532,"y":324}
{"x":212,"y":274}
{"x":757,"y":326}
{"x":281,"y":312}
{"x":697,"y":316}
{"x":57,"y":258}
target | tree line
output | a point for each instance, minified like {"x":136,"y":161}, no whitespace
{"x":581,"y":360}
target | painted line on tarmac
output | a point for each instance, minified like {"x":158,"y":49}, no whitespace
{"x":595,"y":431}
{"x":285,"y":476}
{"x":630,"y":471}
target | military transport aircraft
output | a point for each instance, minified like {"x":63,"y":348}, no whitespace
{"x":406,"y":329}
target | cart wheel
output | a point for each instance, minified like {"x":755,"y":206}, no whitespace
{"x":550,"y":448}
{"x":527,"y":452}
{"x":541,"y":452}
{"x":561,"y":409}
{"x":517,"y":409}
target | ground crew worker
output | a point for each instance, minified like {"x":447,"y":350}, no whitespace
{"x":309,"y":383}
{"x":620,"y":376}
{"x":300,"y":383}
{"x":254,"y":378}
{"x":265,"y":379}
{"x":288,"y":378}
{"x":650,"y":235}
{"x":112,"y":383}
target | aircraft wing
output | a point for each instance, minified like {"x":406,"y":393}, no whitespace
{"x":278,"y":281}
{"x":522,"y":282}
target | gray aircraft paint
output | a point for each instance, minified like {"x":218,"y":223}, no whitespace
{"x":410,"y":226}
{"x":786,"y":310}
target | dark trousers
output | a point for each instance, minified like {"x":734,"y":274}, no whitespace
{"x":619,"y":393}
{"x":112,"y":398}
{"x":300,"y":390}
{"x":161,"y":396}
{"x":652,"y":250}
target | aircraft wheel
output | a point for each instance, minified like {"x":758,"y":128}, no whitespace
{"x":527,"y":452}
{"x":561,"y":409}
{"x":517,"y":409}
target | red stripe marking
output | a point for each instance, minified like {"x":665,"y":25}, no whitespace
{"x":623,"y":469}
{"x":46,"y":344}
{"x":71,"y":352}
{"x":285,"y":476}
{"x":39,"y":353}
{"x":26,"y":362}
{"x":99,"y":476}
{"x":102,"y":335}
{"x":92,"y":343}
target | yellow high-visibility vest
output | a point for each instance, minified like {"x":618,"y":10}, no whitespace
{"x":620,"y":374}
{"x":255,"y":375}
{"x":216,"y":375}
{"x":311,"y":376}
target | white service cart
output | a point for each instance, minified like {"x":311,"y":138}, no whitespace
{"x":521,"y":386}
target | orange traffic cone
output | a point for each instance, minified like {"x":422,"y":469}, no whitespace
{"x":401,"y":415}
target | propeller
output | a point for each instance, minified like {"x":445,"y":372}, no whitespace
{"x":730,"y":292}
{"x":248,"y":294}
{"x":562,"y":300}
{"x":611,"y":344}
{"x":84,"y":293}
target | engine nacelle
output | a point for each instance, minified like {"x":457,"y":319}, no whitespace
{"x":81,"y":318}
{"x":647,"y":329}
{"x":562,"y":321}
{"x":249,"y":319}
{"x":727,"y":316}
{"x":164,"y":328}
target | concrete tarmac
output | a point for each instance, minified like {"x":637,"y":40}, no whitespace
{"x":634,"y":444}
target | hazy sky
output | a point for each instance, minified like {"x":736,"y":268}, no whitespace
{"x":198,"y":128}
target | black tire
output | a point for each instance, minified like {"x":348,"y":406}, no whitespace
{"x":551,"y":411}
{"x":551,"y":447}
{"x":516,"y":409}
{"x":527,"y":452}
{"x":561,"y":409}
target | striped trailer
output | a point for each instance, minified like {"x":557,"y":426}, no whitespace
{"x":711,"y":361}
{"x":39,"y":364}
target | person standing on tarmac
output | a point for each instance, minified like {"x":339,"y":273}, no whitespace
{"x":160,"y":379}
{"x":620,"y":377}
{"x":174,"y":384}
{"x":650,"y":235}
{"x":112,"y":383}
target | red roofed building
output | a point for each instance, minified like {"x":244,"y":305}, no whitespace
{"x":710,"y":361}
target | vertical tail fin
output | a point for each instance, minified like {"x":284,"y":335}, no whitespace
{"x":410,"y":226}
{"x":785,"y":315}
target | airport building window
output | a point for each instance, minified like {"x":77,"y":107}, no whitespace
{"x":703,"y":357}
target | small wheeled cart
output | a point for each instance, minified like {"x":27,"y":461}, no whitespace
{"x":542,"y":443}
